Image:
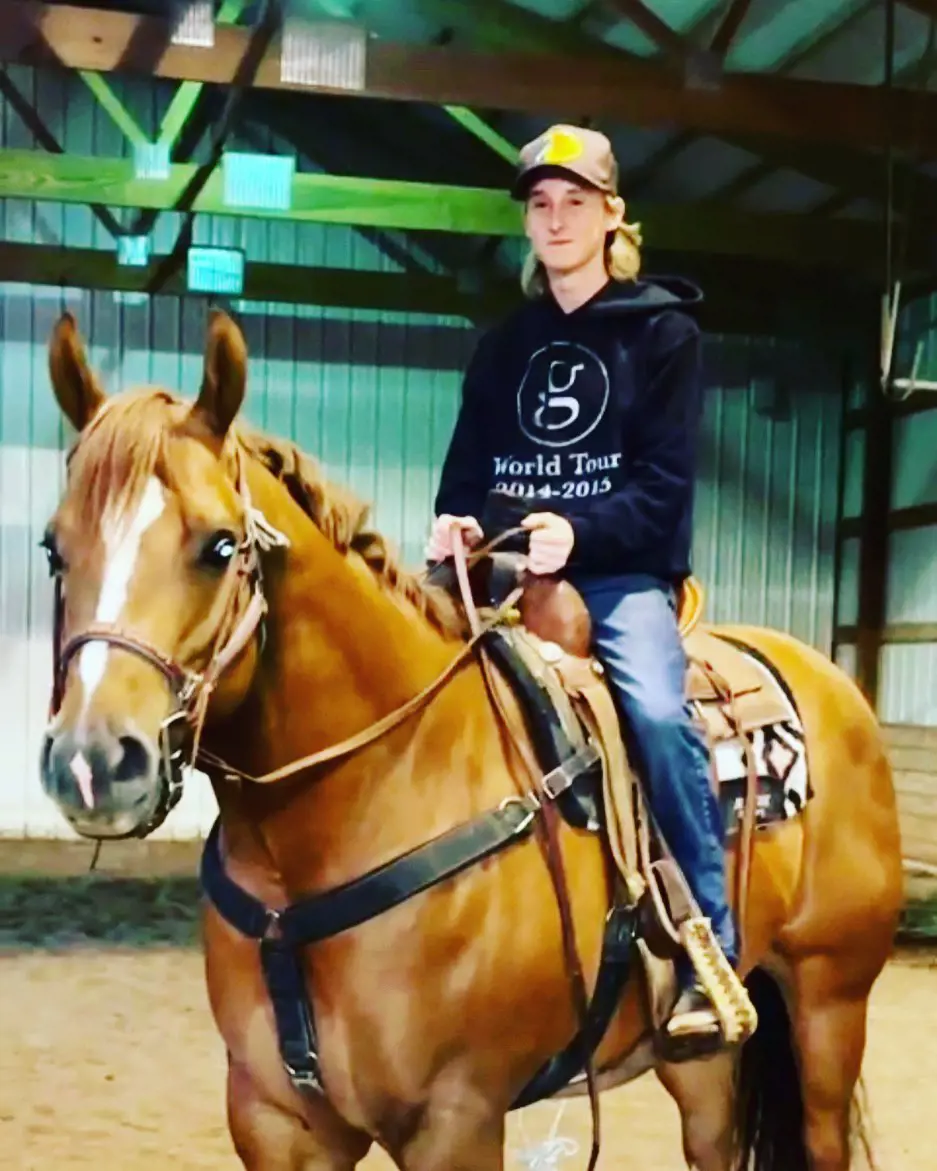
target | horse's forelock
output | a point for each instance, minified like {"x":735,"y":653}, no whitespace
{"x":120,"y":450}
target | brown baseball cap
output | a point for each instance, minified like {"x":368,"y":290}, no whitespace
{"x":574,"y":151}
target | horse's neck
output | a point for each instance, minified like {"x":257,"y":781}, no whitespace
{"x":341,"y":652}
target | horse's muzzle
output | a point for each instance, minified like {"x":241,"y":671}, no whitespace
{"x":105,"y":782}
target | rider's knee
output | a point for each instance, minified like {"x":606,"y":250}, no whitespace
{"x":657,"y":710}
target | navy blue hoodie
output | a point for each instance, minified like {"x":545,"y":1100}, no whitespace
{"x":594,"y":415}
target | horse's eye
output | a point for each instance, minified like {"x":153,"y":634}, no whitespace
{"x":219,"y":549}
{"x":55,"y":559}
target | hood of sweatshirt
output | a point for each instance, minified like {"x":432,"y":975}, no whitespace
{"x":645,"y":296}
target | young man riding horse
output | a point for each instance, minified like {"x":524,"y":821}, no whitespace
{"x":585,"y":402}
{"x":219,"y":600}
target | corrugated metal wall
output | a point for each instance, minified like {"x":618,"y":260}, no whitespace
{"x":768,"y":492}
{"x":374,"y":397}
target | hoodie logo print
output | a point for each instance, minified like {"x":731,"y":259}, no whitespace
{"x":553,"y":399}
{"x":563,"y":394}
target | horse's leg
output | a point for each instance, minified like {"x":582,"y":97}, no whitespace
{"x":830,"y":1033}
{"x":462,"y":1137}
{"x":269,"y":1137}
{"x":271,"y":1126}
{"x":703,"y":1091}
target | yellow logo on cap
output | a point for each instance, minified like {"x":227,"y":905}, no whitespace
{"x":560,"y":147}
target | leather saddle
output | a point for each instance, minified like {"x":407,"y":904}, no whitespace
{"x":726,"y":689}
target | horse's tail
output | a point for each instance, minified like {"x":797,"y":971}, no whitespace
{"x":769,"y":1102}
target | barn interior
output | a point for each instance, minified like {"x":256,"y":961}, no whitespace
{"x":334,"y":173}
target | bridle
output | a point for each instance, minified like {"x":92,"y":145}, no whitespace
{"x":191,"y":690}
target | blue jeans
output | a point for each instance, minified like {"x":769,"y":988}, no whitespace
{"x":636,"y":636}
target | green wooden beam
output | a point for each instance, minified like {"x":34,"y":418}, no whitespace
{"x":381,"y":203}
{"x":316,"y":198}
{"x":477,"y":125}
{"x":178,"y":112}
{"x":113,"y":106}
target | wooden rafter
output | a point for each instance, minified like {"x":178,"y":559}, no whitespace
{"x":417,"y":292}
{"x":498,"y":25}
{"x":340,"y":199}
{"x":924,"y":7}
{"x":741,"y":296}
{"x":859,"y":175}
{"x":637,"y":177}
{"x":797,"y":56}
{"x":728,"y":27}
{"x":856,"y":175}
{"x":187,"y":95}
{"x":636,"y":92}
{"x":668,"y":40}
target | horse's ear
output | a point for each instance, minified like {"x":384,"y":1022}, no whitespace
{"x":225,"y":375}
{"x":77,"y":390}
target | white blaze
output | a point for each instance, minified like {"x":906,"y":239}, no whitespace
{"x":122,"y":535}
{"x":81,"y":771}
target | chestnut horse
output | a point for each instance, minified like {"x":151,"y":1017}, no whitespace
{"x":203,"y":568}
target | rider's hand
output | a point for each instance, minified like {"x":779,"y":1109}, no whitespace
{"x":439,"y":545}
{"x":551,"y":541}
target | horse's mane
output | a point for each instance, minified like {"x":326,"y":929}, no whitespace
{"x":127,"y":442}
{"x":342,"y":517}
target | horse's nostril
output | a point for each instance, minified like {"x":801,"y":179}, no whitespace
{"x":134,"y":759}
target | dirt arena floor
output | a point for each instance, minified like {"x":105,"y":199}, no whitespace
{"x":109,"y":1060}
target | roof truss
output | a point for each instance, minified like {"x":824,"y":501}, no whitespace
{"x":607,"y":84}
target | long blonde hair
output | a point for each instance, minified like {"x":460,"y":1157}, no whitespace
{"x":622,"y":260}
